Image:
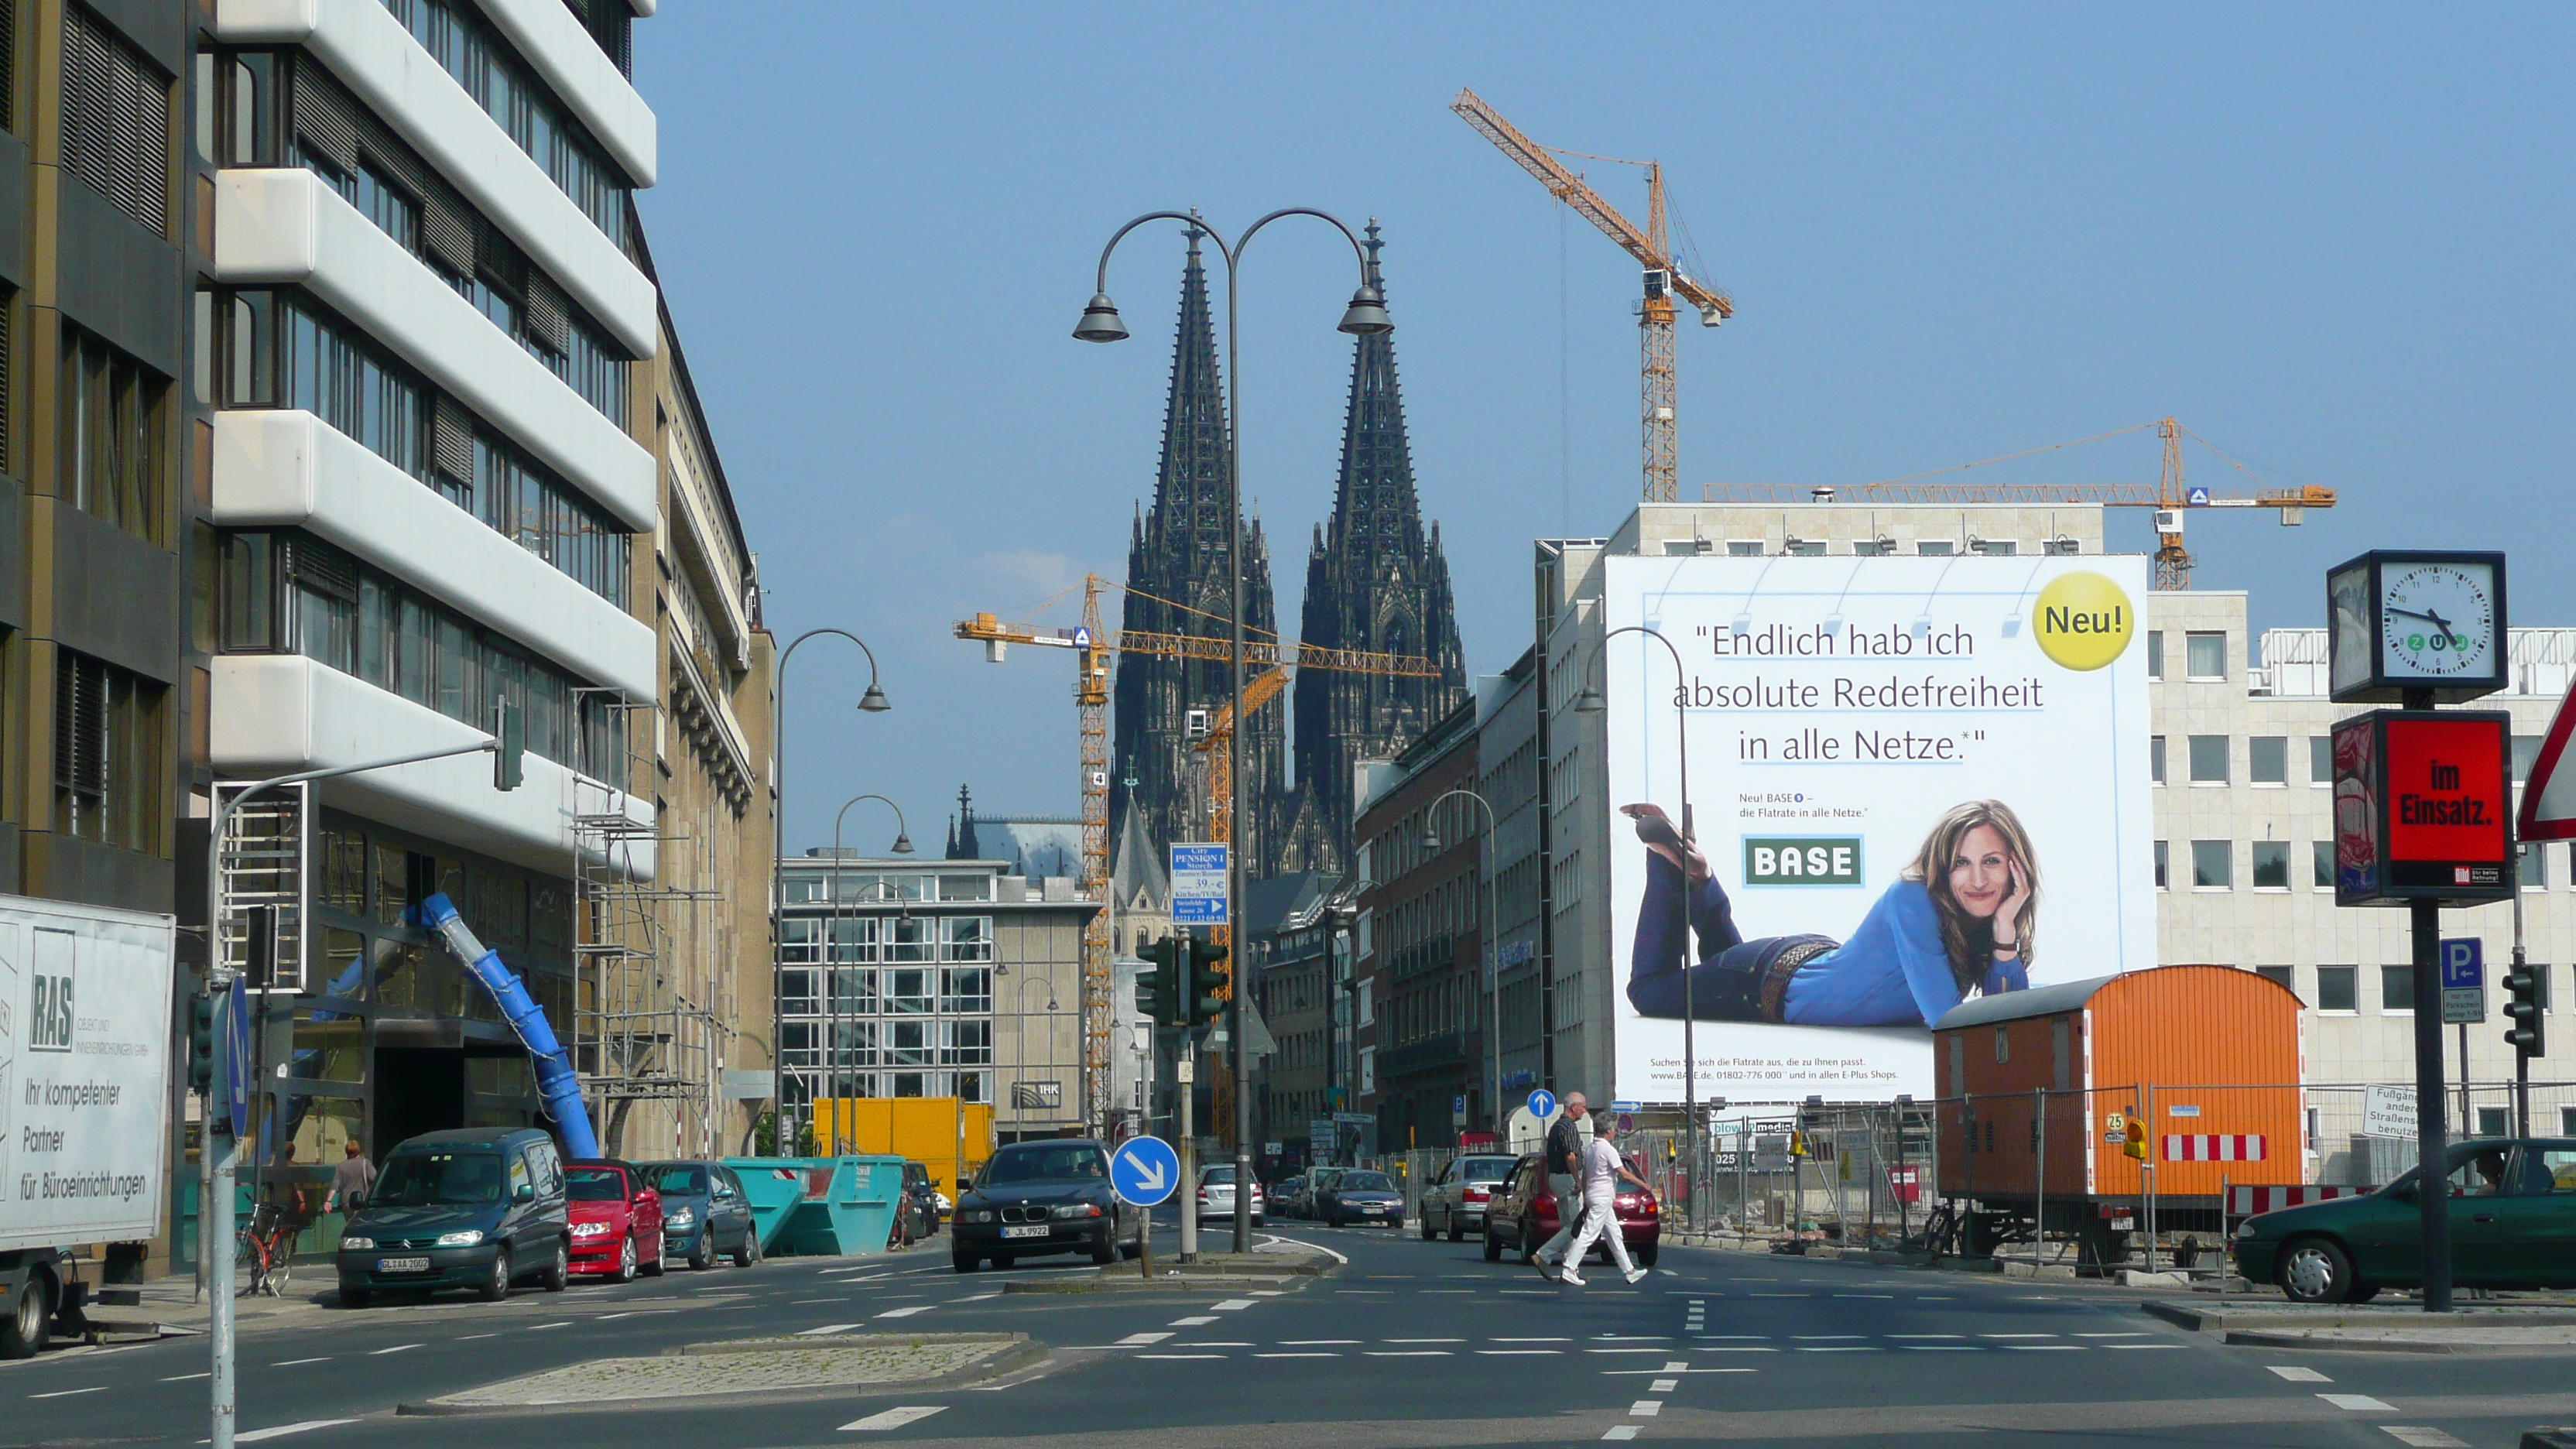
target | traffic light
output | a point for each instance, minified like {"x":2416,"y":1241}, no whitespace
{"x":201,"y":1044}
{"x":1211,"y":983}
{"x":2523,"y":983}
{"x":509,"y":745}
{"x":1797,"y":1143}
{"x":1163,"y":988}
{"x":2136,"y":1146}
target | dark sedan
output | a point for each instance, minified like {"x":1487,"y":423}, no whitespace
{"x":2513,"y":1225}
{"x":1523,"y":1215}
{"x":1042,"y":1197}
{"x":1361,"y":1197}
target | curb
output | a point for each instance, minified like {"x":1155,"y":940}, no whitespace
{"x":2254,"y":1338}
{"x":2207,"y":1320}
{"x":1010,"y":1360}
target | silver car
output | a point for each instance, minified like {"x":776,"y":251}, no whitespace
{"x":1455,"y":1202}
{"x":1216,"y":1195}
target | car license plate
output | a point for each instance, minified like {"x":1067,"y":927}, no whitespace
{"x":402,"y":1265}
{"x":1033,"y":1230}
{"x":1372,"y":1210}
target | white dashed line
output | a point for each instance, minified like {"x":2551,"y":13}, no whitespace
{"x":187,"y":1378}
{"x":1622,"y":1431}
{"x":907,"y":1312}
{"x":397,"y":1348}
{"x":67,"y":1393}
{"x":1139,"y":1340}
{"x":2359,"y":1403}
{"x":1646,"y":1408}
{"x":1195,"y":1321}
{"x":292,"y":1362}
{"x":895,"y":1418}
{"x":2423,"y":1436}
{"x":282,"y":1430}
{"x":2297,"y":1374}
{"x":826,"y":1328}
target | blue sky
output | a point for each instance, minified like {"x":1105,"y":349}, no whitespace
{"x":2334,"y":241}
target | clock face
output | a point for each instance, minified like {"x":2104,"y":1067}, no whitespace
{"x":2438,"y":620}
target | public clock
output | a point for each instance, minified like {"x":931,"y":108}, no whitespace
{"x":2401,"y":621}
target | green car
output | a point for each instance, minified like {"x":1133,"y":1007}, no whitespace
{"x":2513,"y":1225}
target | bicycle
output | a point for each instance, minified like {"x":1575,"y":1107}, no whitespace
{"x":262,"y":1250}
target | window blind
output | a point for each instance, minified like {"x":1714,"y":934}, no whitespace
{"x":116,"y":120}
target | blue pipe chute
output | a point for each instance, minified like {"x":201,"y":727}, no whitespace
{"x":556,"y":1082}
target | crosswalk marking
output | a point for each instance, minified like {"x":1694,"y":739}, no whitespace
{"x":2298,"y":1374}
{"x":2359,"y":1403}
{"x":1621,"y":1431}
{"x":895,"y":1418}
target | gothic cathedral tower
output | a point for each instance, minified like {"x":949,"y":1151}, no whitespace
{"x":1176,"y":584}
{"x":1374,"y":580}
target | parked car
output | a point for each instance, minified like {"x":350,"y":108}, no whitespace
{"x":1035,"y":1198}
{"x":1216,"y":1195}
{"x":918,"y":1216}
{"x":477,"y":1207}
{"x":706,"y":1214}
{"x":2513,"y":1225}
{"x":1455,"y":1201}
{"x":1283,"y":1198}
{"x":1360,"y":1196}
{"x":1317,"y":1179}
{"x":616,"y":1219}
{"x":1523,"y":1212}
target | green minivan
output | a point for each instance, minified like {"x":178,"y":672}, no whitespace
{"x":2513,"y":1225}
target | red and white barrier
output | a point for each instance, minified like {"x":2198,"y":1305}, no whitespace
{"x":2244,"y":1202}
{"x":2214,"y":1147}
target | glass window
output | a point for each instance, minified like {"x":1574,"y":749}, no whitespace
{"x":330,"y":1046}
{"x":2526,"y":753}
{"x":2155,"y":654}
{"x":2397,"y":988}
{"x":2320,"y":759}
{"x":2492,"y":1122}
{"x":1744,"y":548}
{"x":906,"y":939}
{"x":858,"y":1043}
{"x":2212,"y":865}
{"x":2321,"y":864}
{"x":907,"y":1043}
{"x":966,"y":938}
{"x":965,"y":887}
{"x":2205,"y":655}
{"x":2533,"y":866}
{"x":110,"y":448}
{"x":2336,"y":988}
{"x":2209,"y":759}
{"x":854,"y":990}
{"x":2164,"y":865}
{"x":2156,"y":758}
{"x":2271,"y":865}
{"x":965,"y":990}
{"x":1936,"y":547}
{"x":907,"y":990}
{"x":2267,"y":759}
{"x":2547,"y":1169}
{"x":854,"y":938}
{"x":2286,"y":975}
{"x":797,"y":993}
{"x":1806,"y":547}
{"x":965,"y":1043}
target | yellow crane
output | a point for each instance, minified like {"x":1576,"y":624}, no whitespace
{"x":1664,"y":278}
{"x":1091,"y":645}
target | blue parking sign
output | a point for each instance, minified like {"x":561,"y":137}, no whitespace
{"x":2464,"y":964}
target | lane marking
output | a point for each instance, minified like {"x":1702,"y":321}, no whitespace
{"x":1623,"y":1350}
{"x":1533,"y":1340}
{"x":1139,"y":1340}
{"x":1663,"y":1386}
{"x":826,"y":1328}
{"x":1180,"y":1355}
{"x":397,"y":1348}
{"x":1863,"y":1348}
{"x":292,"y":1362}
{"x":565,"y":1323}
{"x":907,"y":1312}
{"x":2137,"y":1334}
{"x":2423,"y":1436}
{"x":2141,"y":1347}
{"x":1646,"y":1408}
{"x":1422,"y":1340}
{"x":1736,"y":1348}
{"x":1519,"y":1352}
{"x":1232,"y":1305}
{"x":2045,"y":1347}
{"x":1194,"y":1321}
{"x":2298,"y":1375}
{"x":470,"y":1337}
{"x":895,"y":1418}
{"x":282,"y":1430}
{"x":2359,"y":1403}
{"x":1927,"y":1335}
{"x":1826,"y":1337}
{"x":1296,"y":1355}
{"x":2016,"y":1335}
{"x":1622,"y":1431}
{"x":1408,"y":1353}
{"x":184,"y":1378}
{"x":1940,"y":1348}
{"x":67,"y":1393}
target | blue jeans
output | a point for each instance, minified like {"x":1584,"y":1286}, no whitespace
{"x":1726,"y":983}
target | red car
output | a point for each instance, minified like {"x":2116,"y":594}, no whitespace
{"x":616,"y":1219}
{"x":1523,"y":1215}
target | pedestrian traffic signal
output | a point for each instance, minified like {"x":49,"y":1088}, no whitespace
{"x":201,"y":1044}
{"x":2525,"y":1009}
{"x":1211,"y":983}
{"x":1164,"y":988}
{"x":2136,"y":1146}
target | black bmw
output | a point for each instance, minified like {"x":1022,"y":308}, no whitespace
{"x":1043,"y":1197}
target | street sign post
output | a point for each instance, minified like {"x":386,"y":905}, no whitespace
{"x":2464,"y":982}
{"x":1198,"y":885}
{"x":1143,"y":1171}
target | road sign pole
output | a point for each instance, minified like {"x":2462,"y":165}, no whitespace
{"x":1186,"y":1071}
{"x":2432,"y":1200}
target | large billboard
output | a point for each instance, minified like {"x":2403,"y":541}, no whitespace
{"x":1913,"y":781}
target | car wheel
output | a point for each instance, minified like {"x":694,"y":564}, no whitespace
{"x":965,"y":1262}
{"x":352,"y":1297}
{"x":559,"y":1273}
{"x":1428,"y":1232}
{"x":497,"y":1287}
{"x":1646,"y":1255}
{"x":1104,"y":1252}
{"x":1493,"y":1245}
{"x":2314,"y":1270}
{"x":661,"y":1258}
{"x":749,"y":1252}
{"x":1456,"y":1233}
{"x":625,"y":1272}
{"x":30,"y":1322}
{"x":702,"y":1254}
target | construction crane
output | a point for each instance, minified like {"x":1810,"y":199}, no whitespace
{"x":1092,"y":645}
{"x":2171,"y":497}
{"x":1664,"y":278}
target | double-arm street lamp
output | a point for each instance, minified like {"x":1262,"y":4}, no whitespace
{"x":871,"y":702}
{"x":1590,"y":701}
{"x":831,"y":943}
{"x":1364,"y":317}
{"x":1431,"y":845}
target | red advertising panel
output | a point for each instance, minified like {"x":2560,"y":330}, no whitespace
{"x":2423,"y":807}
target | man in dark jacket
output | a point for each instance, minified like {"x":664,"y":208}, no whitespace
{"x":1564,"y":1158}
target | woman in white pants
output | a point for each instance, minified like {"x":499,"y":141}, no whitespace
{"x":1602,"y":1169}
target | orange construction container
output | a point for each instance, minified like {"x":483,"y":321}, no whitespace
{"x":2205,"y":1058}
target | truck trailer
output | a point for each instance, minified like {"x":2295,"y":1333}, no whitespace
{"x":85,"y":1045}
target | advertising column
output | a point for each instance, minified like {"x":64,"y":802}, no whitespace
{"x":1915,"y":781}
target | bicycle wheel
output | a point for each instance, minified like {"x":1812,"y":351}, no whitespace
{"x":278,"y":1254}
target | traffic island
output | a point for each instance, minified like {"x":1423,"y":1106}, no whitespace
{"x":1270,"y":1269}
{"x":757,"y":1367}
{"x":2376,"y":1328}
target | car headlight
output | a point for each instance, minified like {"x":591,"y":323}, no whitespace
{"x":1077,"y":1210}
{"x":465,"y":1239}
{"x":2245,"y":1229}
{"x":681,"y":1219}
{"x":589,"y":1230}
{"x":977,"y":1215}
{"x":357,"y":1245}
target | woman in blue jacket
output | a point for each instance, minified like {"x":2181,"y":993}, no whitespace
{"x":1956,"y":924}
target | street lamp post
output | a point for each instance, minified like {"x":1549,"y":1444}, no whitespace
{"x":831,"y":946}
{"x":1364,"y":317}
{"x":1431,"y":843}
{"x":1590,"y":701}
{"x":1020,"y":1016}
{"x":872,"y":702}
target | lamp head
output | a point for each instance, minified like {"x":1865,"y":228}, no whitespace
{"x":874,"y":701}
{"x":1366,"y":316}
{"x":902,"y":843}
{"x":1100,"y":321}
{"x":1590,"y":702}
{"x":1430,"y":837}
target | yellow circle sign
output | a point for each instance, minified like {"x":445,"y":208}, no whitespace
{"x":2084,"y":620}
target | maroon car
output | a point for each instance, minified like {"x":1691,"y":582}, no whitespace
{"x":1523,"y":1217}
{"x":616,"y":1219}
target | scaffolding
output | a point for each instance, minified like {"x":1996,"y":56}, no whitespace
{"x":636,"y":1035}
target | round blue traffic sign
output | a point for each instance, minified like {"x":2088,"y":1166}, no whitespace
{"x":1542,"y":1104}
{"x":1145,"y":1170}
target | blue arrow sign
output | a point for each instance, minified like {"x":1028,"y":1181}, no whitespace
{"x":1145,"y":1170}
{"x":1542,"y":1104}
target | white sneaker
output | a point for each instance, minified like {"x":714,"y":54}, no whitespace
{"x":1636,"y":1275}
{"x":1570,"y":1277}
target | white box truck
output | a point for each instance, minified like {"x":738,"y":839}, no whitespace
{"x":85,"y":1046}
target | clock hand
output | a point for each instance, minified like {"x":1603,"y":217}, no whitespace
{"x":2438,"y":621}
{"x":2415,"y":614}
